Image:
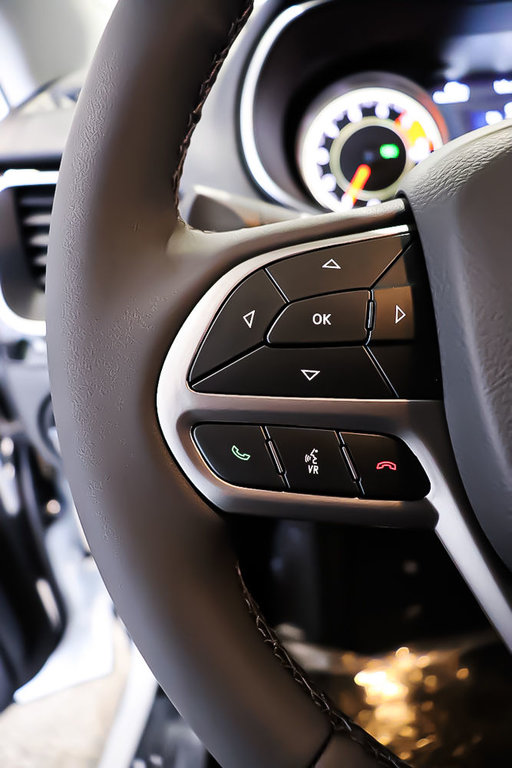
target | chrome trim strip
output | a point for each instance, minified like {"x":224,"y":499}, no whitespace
{"x":421,"y":424}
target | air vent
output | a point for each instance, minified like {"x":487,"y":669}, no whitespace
{"x":34,"y":207}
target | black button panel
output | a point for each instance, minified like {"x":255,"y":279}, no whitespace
{"x":238,"y":453}
{"x":412,"y":369}
{"x":393,"y":318}
{"x":300,"y":372}
{"x":403,"y":338}
{"x":339,"y":268}
{"x":240,"y":325}
{"x":347,"y":321}
{"x":338,"y":318}
{"x":386,"y":467}
{"x":312,"y":461}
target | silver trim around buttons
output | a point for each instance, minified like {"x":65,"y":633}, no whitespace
{"x":420,"y":424}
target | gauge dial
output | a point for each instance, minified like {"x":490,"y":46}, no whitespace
{"x":355,"y":148}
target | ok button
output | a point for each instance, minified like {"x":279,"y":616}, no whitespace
{"x":337,"y":318}
{"x":322,"y":319}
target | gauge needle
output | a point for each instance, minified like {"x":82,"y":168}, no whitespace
{"x":357,"y":183}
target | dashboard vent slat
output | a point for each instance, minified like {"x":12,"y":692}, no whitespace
{"x":34,"y":207}
{"x":32,"y":200}
{"x":37,"y":220}
{"x":38,"y":241}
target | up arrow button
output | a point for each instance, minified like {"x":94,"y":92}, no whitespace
{"x":348,"y":267}
{"x":331,"y":264}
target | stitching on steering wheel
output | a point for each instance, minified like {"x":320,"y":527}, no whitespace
{"x":340,"y":723}
{"x":195,"y":116}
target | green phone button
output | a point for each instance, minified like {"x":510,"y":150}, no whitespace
{"x":238,"y":454}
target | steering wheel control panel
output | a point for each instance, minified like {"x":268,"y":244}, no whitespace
{"x":312,"y":461}
{"x":299,"y":384}
{"x":349,"y":321}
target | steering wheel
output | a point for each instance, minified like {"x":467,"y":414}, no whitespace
{"x":170,"y":418}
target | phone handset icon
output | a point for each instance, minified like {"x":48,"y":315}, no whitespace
{"x":239,"y":455}
{"x":387,"y":465}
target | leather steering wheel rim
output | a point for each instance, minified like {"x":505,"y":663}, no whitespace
{"x":124,"y":272}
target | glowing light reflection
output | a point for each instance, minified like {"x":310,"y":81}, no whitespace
{"x":502,"y":86}
{"x":493,"y":116}
{"x":397,"y":708}
{"x":452,"y":93}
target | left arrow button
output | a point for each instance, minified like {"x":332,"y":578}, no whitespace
{"x":249,"y":318}
{"x":240,"y":325}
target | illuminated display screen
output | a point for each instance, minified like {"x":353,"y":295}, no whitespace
{"x":474,"y":103}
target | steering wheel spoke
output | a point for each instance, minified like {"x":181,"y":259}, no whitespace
{"x":251,"y":448}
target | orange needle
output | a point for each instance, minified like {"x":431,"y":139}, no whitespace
{"x":359,"y":180}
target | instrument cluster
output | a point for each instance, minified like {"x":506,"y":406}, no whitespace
{"x":333,"y":120}
{"x":362,"y":135}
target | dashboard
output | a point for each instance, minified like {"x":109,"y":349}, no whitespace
{"x":322,"y":105}
{"x":339,"y":100}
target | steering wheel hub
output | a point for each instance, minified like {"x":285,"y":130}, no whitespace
{"x":459,"y":199}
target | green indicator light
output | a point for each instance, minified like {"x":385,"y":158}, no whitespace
{"x":389,"y":151}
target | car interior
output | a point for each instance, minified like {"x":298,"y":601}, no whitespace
{"x":255,"y":384}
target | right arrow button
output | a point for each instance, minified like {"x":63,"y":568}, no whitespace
{"x":399,"y":314}
{"x":394,"y":315}
{"x":403,"y":337}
